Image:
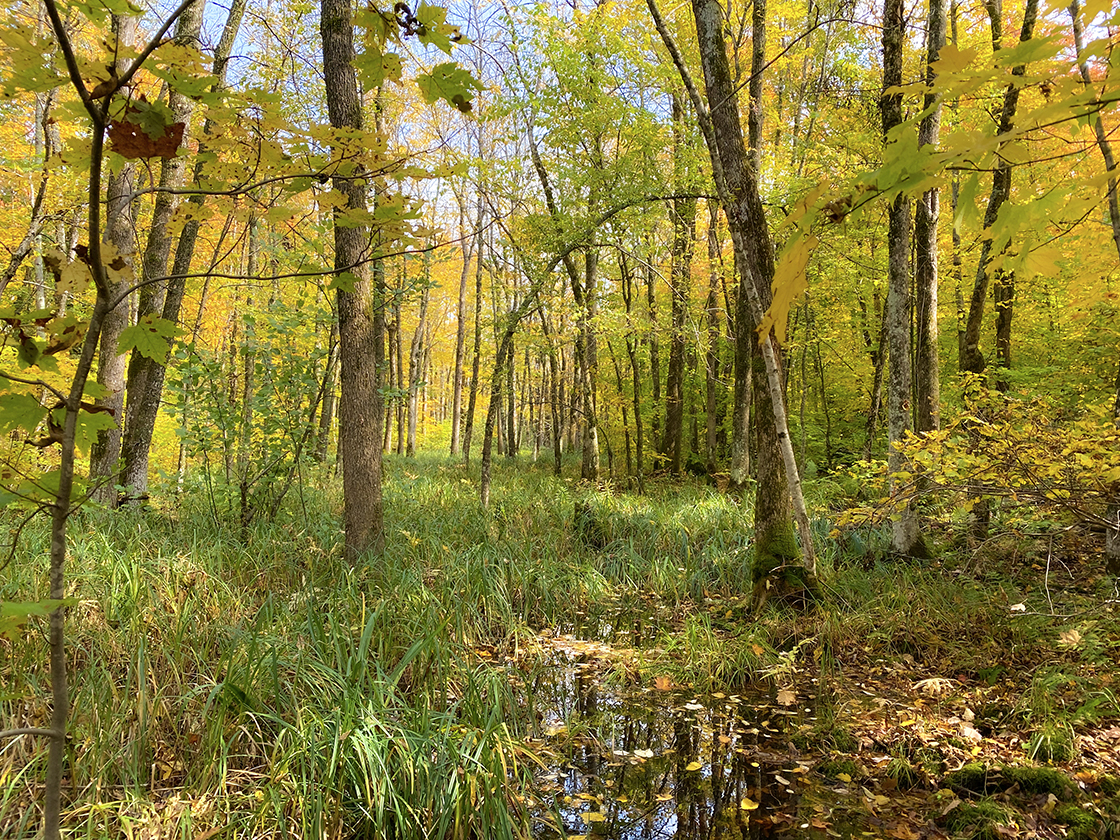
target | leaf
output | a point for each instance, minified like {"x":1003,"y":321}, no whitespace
{"x":1069,"y":638}
{"x":786,"y":697}
{"x":150,"y":337}
{"x":15,"y":614}
{"x":20,"y":411}
{"x":449,"y":82}
{"x":434,"y":28}
{"x":748,"y":804}
{"x":643,"y":753}
{"x":952,"y":59}
{"x":593,"y":816}
{"x":663,"y":683}
{"x":693,"y":765}
{"x":789,"y":283}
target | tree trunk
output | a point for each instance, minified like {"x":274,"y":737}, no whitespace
{"x":927,"y":377}
{"x":143,"y":405}
{"x":972,"y":359}
{"x":476,"y":350}
{"x":711,"y":357}
{"x":906,"y":539}
{"x":416,"y":357}
{"x":1112,"y":534}
{"x":776,"y":550}
{"x":360,"y":319}
{"x":120,"y":233}
{"x":467,"y":247}
{"x":683,"y":211}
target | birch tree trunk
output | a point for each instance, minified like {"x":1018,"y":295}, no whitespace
{"x":972,"y":359}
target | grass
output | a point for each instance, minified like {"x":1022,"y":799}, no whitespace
{"x":252,"y":681}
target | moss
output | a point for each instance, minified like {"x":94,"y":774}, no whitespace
{"x":1109,"y":785}
{"x":1038,"y":780}
{"x":972,"y":778}
{"x":1082,"y":824}
{"x":833,"y":768}
{"x":977,"y":821}
{"x":980,"y":779}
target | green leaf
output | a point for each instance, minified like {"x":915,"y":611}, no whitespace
{"x":20,"y":412}
{"x":450,"y":82}
{"x":15,"y":614}
{"x":90,"y":425}
{"x":434,"y":28}
{"x":150,"y":337}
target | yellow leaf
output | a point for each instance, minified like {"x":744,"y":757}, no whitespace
{"x":789,"y":283}
{"x":748,"y":804}
{"x":694,"y":765}
{"x":952,"y":59}
{"x":844,"y":777}
{"x":593,"y":816}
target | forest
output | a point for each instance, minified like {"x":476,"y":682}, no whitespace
{"x":597,"y":418}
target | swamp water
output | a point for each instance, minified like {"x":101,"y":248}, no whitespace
{"x":642,"y":762}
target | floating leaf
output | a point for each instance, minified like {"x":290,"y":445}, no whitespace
{"x":748,"y":804}
{"x":694,"y":765}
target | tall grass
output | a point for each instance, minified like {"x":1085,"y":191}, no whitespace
{"x":252,"y":681}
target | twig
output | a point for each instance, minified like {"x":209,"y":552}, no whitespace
{"x":30,"y":730}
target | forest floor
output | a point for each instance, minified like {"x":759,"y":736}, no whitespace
{"x":522,"y":672}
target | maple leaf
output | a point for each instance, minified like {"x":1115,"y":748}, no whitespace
{"x":142,"y":134}
{"x":663,"y":683}
{"x":1069,"y":638}
{"x":786,"y":697}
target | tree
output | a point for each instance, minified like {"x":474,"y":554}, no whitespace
{"x":360,"y":319}
{"x":905,"y":537}
{"x":779,"y":496}
{"x":927,"y":376}
{"x":972,"y":359}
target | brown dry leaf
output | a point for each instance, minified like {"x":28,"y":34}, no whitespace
{"x":663,"y":683}
{"x":904,"y":832}
{"x":786,"y":697}
{"x":130,"y":141}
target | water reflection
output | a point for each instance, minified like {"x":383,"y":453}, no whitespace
{"x":641,"y":763}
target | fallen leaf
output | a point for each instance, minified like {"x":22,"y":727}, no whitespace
{"x":593,"y":816}
{"x":748,"y":804}
{"x":694,"y":765}
{"x":643,"y":753}
{"x":1069,"y":638}
{"x":663,"y":683}
{"x":786,"y":697}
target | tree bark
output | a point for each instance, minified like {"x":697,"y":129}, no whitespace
{"x":360,"y":318}
{"x":144,"y":406}
{"x":778,"y":495}
{"x":120,"y":232}
{"x":711,"y":357}
{"x":906,"y":538}
{"x":927,"y":377}
{"x":972,"y":359}
{"x":683,"y":212}
{"x":1112,"y":534}
{"x":415,"y":359}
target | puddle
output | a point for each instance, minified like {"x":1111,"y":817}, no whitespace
{"x":641,"y":763}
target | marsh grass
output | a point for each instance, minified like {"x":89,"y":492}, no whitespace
{"x":251,"y":680}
